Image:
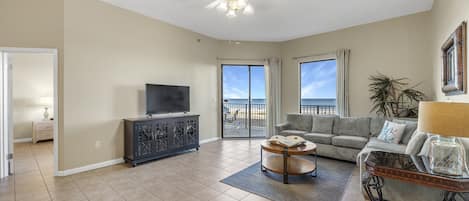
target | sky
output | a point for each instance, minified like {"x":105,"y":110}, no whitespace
{"x":236,"y":82}
{"x":318,"y":80}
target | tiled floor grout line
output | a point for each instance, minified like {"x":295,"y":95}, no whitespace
{"x":79,"y":189}
{"x":42,"y":174}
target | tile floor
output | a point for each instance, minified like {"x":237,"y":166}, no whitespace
{"x":192,"y":176}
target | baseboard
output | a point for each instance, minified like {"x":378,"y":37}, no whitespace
{"x":109,"y":163}
{"x":209,"y":140}
{"x":22,"y":140}
{"x":90,"y":167}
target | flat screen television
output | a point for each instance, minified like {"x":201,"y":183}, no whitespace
{"x":167,"y":99}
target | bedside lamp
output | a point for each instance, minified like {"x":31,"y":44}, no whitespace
{"x":446,"y":121}
{"x":46,"y":102}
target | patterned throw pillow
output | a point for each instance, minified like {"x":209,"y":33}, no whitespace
{"x":392,"y":132}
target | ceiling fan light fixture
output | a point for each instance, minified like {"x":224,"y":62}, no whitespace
{"x":231,"y":13}
{"x":232,"y":7}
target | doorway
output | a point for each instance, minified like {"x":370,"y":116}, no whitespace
{"x":243,"y":101}
{"x":29,"y":99}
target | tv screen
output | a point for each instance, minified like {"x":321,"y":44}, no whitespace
{"x":167,"y":99}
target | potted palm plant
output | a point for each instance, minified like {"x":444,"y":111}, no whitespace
{"x":393,"y":97}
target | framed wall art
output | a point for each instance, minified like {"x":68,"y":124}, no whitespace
{"x":454,"y":72}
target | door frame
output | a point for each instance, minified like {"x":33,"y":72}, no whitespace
{"x":249,"y":99}
{"x":6,"y":111}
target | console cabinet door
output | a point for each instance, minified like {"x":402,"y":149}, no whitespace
{"x":143,"y":140}
{"x":151,"y":138}
{"x":161,"y":140}
{"x":179,"y":132}
{"x":192,"y":131}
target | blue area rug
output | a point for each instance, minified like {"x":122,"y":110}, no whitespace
{"x":329,"y":185}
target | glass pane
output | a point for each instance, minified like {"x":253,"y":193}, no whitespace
{"x":258,"y":109}
{"x":318,"y":87}
{"x":235,"y":101}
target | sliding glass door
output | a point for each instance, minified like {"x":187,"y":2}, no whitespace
{"x":243,"y":104}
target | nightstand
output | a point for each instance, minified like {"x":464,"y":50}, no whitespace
{"x":43,"y":130}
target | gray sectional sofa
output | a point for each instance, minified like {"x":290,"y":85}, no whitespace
{"x":343,"y":138}
{"x":352,"y":138}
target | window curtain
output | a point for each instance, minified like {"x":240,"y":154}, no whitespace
{"x":273,"y":79}
{"x":343,"y":107}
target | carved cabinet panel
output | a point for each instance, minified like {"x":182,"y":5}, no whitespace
{"x":149,"y":139}
{"x":192,"y":128}
{"x":152,"y":137}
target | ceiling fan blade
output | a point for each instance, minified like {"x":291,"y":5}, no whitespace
{"x":222,"y":6}
{"x":214,"y":4}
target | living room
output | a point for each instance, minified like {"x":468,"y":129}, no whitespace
{"x":108,"y":50}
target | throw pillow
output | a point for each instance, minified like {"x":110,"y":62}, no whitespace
{"x":415,"y":143}
{"x":391,"y":132}
{"x":411,"y":126}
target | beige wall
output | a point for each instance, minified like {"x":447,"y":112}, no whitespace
{"x":249,"y":50}
{"x":32,"y":79}
{"x":446,"y":16}
{"x":397,"y":47}
{"x":35,"y":24}
{"x":110,"y":54}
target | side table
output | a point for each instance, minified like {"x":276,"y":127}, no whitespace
{"x":412,"y":169}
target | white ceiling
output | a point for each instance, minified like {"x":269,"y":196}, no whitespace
{"x":273,"y":20}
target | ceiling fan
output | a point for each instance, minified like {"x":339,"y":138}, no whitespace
{"x":232,"y":7}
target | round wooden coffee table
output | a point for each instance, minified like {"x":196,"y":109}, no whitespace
{"x":283,"y":160}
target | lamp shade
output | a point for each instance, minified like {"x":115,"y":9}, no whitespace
{"x":444,"y":118}
{"x":46,"y":101}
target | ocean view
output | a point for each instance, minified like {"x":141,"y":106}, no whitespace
{"x":308,"y":101}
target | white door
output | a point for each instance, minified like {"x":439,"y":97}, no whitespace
{"x":4,"y":136}
{"x":9,"y":113}
{"x":6,"y":131}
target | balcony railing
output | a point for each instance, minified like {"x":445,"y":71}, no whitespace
{"x":318,"y":109}
{"x":239,"y":113}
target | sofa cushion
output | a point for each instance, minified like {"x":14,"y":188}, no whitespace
{"x":299,"y":121}
{"x":411,"y":126}
{"x":293,"y":132}
{"x":376,"y":124}
{"x":354,"y":126}
{"x":349,"y":141}
{"x":323,"y":124}
{"x":320,"y":138}
{"x":375,"y":143}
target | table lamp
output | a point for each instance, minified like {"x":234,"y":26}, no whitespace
{"x":446,"y":121}
{"x":46,"y":102}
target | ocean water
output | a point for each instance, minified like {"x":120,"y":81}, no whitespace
{"x":308,"y":101}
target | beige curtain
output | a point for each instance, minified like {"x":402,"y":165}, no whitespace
{"x":343,"y":107}
{"x":273,"y":79}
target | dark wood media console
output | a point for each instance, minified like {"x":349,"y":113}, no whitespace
{"x":149,"y":139}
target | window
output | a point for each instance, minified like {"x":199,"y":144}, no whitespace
{"x":318,"y":87}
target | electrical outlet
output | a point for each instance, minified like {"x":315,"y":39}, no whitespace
{"x":98,"y":144}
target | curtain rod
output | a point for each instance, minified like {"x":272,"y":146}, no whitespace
{"x":313,"y":55}
{"x":240,"y":59}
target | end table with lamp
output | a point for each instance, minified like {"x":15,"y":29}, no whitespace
{"x":445,"y":165}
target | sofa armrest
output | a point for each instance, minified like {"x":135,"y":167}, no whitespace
{"x":280,"y":127}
